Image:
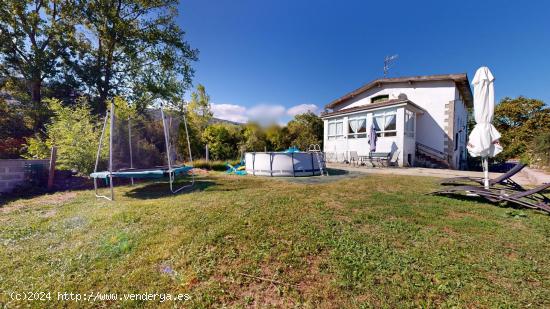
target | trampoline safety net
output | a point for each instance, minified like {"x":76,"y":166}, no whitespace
{"x":149,"y":145}
{"x":140,"y":143}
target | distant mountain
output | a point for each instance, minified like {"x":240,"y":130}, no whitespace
{"x":218,"y":120}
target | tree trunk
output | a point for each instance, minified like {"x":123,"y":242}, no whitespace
{"x":37,"y":112}
{"x":36,"y":88}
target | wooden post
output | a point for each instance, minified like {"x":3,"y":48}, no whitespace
{"x":51,"y":173}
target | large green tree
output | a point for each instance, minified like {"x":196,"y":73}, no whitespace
{"x":519,"y":121}
{"x":199,"y":109}
{"x":222,"y":140}
{"x":133,"y":48}
{"x":277,"y":137}
{"x":306,"y":129}
{"x":34,"y":34}
{"x":253,"y":138}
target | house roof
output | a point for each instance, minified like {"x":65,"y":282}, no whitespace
{"x":372,"y":106}
{"x":461,"y":81}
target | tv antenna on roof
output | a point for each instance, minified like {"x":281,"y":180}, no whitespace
{"x":388,"y":60}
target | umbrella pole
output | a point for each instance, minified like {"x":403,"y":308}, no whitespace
{"x":486,"y":171}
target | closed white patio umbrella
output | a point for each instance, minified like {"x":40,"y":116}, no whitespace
{"x":483,"y":141}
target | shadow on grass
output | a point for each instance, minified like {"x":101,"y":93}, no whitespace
{"x":30,"y":193}
{"x":333,"y":175}
{"x":482,"y":200}
{"x":162,"y":189}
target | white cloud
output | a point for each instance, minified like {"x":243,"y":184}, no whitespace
{"x":262,"y":113}
{"x":230,"y":112}
{"x":266,"y":114}
{"x":302,"y":108}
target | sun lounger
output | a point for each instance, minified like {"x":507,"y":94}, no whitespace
{"x":504,"y":179}
{"x":533,"y":198}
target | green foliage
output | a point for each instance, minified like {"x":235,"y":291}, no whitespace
{"x":14,"y":126}
{"x":253,"y":138}
{"x":541,"y":149}
{"x":222,"y":140}
{"x":137,"y":45}
{"x":199,"y":114}
{"x":519,"y":121}
{"x":217,"y":165}
{"x":306,"y":129}
{"x":34,"y":36}
{"x":199,"y":110}
{"x":277,"y":137}
{"x":74,"y":131}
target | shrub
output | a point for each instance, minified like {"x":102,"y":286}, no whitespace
{"x":541,"y":150}
{"x":222,"y":140}
{"x":74,"y":131}
{"x":214,"y":165}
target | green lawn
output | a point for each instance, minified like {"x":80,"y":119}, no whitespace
{"x":373,"y":241}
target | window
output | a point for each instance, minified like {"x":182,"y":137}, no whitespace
{"x":380,"y":98}
{"x":357,"y":127}
{"x":410,"y":118}
{"x":385,"y":123}
{"x":335,"y":128}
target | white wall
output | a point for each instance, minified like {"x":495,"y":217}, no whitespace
{"x":338,"y":150}
{"x":431,"y":96}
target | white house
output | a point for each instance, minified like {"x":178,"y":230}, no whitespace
{"x":422,"y":118}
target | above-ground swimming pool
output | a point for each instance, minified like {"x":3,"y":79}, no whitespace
{"x":285,"y":164}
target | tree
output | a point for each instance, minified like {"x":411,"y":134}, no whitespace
{"x":33,"y":36}
{"x":253,"y":138}
{"x":199,"y":109}
{"x":519,"y":120}
{"x":222,"y":139}
{"x":305,"y":129}
{"x":75,"y":131}
{"x":14,"y":126}
{"x":277,"y":138}
{"x":541,"y":150}
{"x":133,"y":48}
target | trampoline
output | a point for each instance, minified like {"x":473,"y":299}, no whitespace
{"x":145,"y":146}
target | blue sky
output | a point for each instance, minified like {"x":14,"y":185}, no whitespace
{"x":271,"y":59}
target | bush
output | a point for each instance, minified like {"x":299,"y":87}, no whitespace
{"x":14,"y":128}
{"x":74,"y":131}
{"x":222,"y":140}
{"x":214,"y":165}
{"x":541,"y":150}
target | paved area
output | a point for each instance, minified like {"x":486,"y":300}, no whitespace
{"x":520,"y":178}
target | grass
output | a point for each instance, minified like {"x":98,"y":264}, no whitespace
{"x":235,"y":241}
{"x":215,"y":165}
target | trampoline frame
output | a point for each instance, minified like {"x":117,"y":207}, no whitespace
{"x":172,"y":171}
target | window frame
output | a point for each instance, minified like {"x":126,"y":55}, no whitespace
{"x":335,"y":122}
{"x":384,"y":113}
{"x":359,"y":134}
{"x":380,"y":98}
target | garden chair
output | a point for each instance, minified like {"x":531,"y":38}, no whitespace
{"x":392,"y":161}
{"x":533,"y":198}
{"x":504,"y":179}
{"x":354,"y":158}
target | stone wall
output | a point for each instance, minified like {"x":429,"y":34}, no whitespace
{"x":12,"y":172}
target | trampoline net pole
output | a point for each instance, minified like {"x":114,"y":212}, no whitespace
{"x":167,"y":142}
{"x":111,"y":133}
{"x":99,"y":150}
{"x":189,"y":148}
{"x":130,"y":147}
